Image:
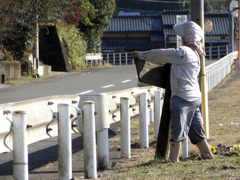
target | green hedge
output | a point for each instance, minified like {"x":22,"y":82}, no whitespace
{"x":74,"y":43}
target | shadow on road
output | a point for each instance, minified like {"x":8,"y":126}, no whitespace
{"x":43,"y":153}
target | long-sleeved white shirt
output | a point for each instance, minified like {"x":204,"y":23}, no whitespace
{"x":184,"y":70}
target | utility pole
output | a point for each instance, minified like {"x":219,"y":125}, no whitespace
{"x":235,"y":11}
{"x":37,"y":47}
{"x":231,"y":31}
{"x":197,"y":15}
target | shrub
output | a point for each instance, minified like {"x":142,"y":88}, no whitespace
{"x":75,"y":45}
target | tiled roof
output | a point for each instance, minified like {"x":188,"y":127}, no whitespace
{"x":220,"y":23}
{"x":169,"y":17}
{"x":135,"y":23}
{"x":127,"y":44}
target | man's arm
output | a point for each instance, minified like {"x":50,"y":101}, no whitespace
{"x":161,"y":56}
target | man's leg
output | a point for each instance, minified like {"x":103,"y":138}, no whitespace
{"x":175,"y":147}
{"x":197,"y":136}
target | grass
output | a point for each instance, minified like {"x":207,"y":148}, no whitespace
{"x":224,"y":114}
{"x":26,"y":79}
{"x":23,"y":80}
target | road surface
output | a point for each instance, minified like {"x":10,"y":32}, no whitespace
{"x":90,"y":81}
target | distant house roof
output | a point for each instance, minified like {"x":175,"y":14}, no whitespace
{"x":220,"y":22}
{"x":169,"y":18}
{"x":135,"y":24}
{"x":127,"y":44}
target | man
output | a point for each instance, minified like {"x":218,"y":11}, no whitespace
{"x":186,"y":96}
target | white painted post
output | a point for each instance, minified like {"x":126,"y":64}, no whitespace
{"x":210,"y":52}
{"x":101,"y":126}
{"x":20,"y":148}
{"x":158,"y":103}
{"x":107,"y":57}
{"x":89,"y":140}
{"x":185,"y":148}
{"x":151,"y":118}
{"x":143,"y":121}
{"x":101,"y":107}
{"x":126,"y":58}
{"x":114,"y":59}
{"x":120,"y":59}
{"x":103,"y":149}
{"x":125,"y":127}
{"x":64,"y":143}
{"x":219,"y":52}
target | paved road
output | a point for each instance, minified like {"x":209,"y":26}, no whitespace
{"x":90,"y":81}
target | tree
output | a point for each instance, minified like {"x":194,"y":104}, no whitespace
{"x":216,"y":6}
{"x":96,"y":18}
{"x":17,"y":25}
{"x":18,"y":20}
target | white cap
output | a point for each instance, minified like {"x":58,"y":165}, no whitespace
{"x":190,"y":31}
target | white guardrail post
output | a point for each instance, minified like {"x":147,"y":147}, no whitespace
{"x":151,"y":111}
{"x":125,"y":127}
{"x":20,"y":148}
{"x":143,"y":121}
{"x":158,"y":103}
{"x":185,"y":148}
{"x":103,"y":149}
{"x":64,"y":142}
{"x":89,"y":140}
{"x":101,"y":126}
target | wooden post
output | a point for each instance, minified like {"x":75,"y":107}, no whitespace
{"x":164,"y":128}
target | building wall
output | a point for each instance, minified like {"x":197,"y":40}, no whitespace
{"x":10,"y":69}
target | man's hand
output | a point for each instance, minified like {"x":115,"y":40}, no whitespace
{"x":135,"y":54}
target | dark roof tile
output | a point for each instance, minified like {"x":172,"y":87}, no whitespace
{"x":128,"y":44}
{"x":135,"y":23}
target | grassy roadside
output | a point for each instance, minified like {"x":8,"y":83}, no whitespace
{"x":27,"y":79}
{"x":224,"y":118}
{"x":23,"y":80}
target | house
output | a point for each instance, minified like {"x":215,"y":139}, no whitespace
{"x":129,"y":33}
{"x":144,"y":32}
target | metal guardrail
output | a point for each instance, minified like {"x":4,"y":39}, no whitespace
{"x":25,"y":122}
{"x":42,"y":114}
{"x":217,"y":52}
{"x":120,"y":58}
{"x":94,"y":59}
{"x":124,"y":58}
{"x":218,"y":70}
